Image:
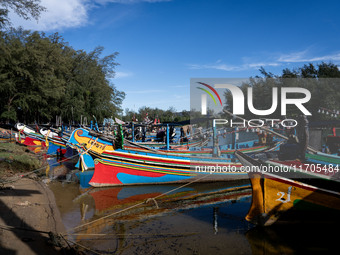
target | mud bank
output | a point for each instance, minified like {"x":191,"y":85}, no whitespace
{"x":28,"y":214}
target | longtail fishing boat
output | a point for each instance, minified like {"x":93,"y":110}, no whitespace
{"x":32,"y":138}
{"x":292,"y":190}
{"x":86,"y":161}
{"x":53,"y":142}
{"x":6,"y":135}
{"x":45,"y":138}
{"x":176,"y":146}
{"x":251,"y":147}
{"x":126,"y":167}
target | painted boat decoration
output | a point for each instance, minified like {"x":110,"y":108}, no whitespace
{"x":295,"y":191}
{"x":46,"y":138}
{"x":176,"y":146}
{"x":125,"y":167}
{"x":56,"y":146}
{"x":20,"y":138}
{"x":206,"y":152}
{"x":86,"y":161}
{"x":32,"y":138}
{"x":7,"y":135}
{"x":323,"y":158}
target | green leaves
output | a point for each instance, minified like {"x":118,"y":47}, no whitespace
{"x":41,"y":77}
{"x":24,"y":8}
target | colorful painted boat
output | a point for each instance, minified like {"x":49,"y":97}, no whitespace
{"x":54,"y":143}
{"x":323,"y":158}
{"x":20,"y":138}
{"x":292,"y":190}
{"x":176,"y":146}
{"x":7,"y":135}
{"x":46,"y":138}
{"x":125,"y":167}
{"x":206,"y":152}
{"x":32,"y":138}
{"x":86,"y":161}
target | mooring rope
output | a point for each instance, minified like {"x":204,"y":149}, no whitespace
{"x":139,"y":204}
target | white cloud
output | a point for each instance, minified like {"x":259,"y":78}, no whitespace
{"x":213,"y":66}
{"x":304,"y":56}
{"x":144,"y":91}
{"x":62,"y":14}
{"x":278,"y":60}
{"x":59,"y":14}
{"x":120,"y":75}
{"x":219,"y":66}
{"x":292,"y":57}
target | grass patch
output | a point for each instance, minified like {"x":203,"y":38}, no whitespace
{"x":14,"y":159}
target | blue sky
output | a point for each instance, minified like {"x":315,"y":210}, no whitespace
{"x":164,"y":43}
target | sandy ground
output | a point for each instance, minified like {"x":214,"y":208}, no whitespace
{"x":28,"y":204}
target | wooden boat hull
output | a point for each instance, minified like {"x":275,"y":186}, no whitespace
{"x":30,"y":141}
{"x":119,"y":172}
{"x":305,"y":197}
{"x":122,"y":167}
{"x":277,"y":198}
{"x":81,"y":136}
{"x":323,"y":158}
{"x":53,"y":143}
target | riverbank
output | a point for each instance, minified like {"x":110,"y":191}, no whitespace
{"x":28,"y":209}
{"x":15,"y":159}
{"x":28,"y":214}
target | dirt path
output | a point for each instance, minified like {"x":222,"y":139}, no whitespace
{"x":28,"y":204}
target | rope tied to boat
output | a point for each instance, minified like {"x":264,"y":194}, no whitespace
{"x":139,"y":204}
{"x":152,"y":199}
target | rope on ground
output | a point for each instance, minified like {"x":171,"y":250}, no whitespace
{"x":139,"y":204}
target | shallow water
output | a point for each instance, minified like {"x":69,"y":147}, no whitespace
{"x":202,"y":218}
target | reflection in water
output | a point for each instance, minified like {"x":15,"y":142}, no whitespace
{"x":197,"y":219}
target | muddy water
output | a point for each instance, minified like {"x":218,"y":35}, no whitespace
{"x":196,"y":219}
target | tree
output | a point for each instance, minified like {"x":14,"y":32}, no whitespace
{"x":24,"y":8}
{"x":42,"y":77}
